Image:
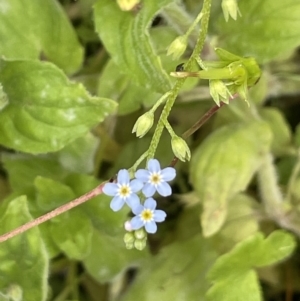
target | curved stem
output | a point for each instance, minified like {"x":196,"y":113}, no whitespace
{"x":169,"y":129}
{"x":196,"y":126}
{"x":66,"y":207}
{"x":159,"y":102}
{"x":133,"y":168}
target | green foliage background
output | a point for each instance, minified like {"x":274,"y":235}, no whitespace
{"x":74,"y":77}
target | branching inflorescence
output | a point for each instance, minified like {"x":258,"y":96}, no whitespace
{"x":230,"y":76}
{"x":137,"y":194}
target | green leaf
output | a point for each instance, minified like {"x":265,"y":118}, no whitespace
{"x":13,"y":293}
{"x":72,"y":232}
{"x":236,"y":266}
{"x":253,"y":33}
{"x":223,"y":165}
{"x":246,"y":288}
{"x":51,"y":194}
{"x":45,"y":111}
{"x":52,"y":248}
{"x":79,"y":155}
{"x":3,"y":98}
{"x":109,"y":257}
{"x":126,"y":38}
{"x":98,"y":209}
{"x":31,"y":25}
{"x":281,"y":130}
{"x":297,"y":135}
{"x":119,"y":86}
{"x":241,"y":222}
{"x":177,"y":273}
{"x":23,"y":169}
{"x":23,"y":259}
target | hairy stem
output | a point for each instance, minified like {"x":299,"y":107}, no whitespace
{"x":196,"y":126}
{"x":66,"y":207}
{"x":175,"y":90}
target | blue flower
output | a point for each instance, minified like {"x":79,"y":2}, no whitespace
{"x":155,"y":178}
{"x":124,"y":191}
{"x":147,"y":216}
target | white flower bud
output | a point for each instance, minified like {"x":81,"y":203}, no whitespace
{"x":127,"y":226}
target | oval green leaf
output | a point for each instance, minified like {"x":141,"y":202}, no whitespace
{"x":34,"y":28}
{"x":223,"y":166}
{"x":237,"y":266}
{"x":45,"y":111}
{"x":125,"y":36}
{"x":266,"y":29}
{"x":23,"y":259}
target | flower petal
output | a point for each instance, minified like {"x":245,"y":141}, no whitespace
{"x":150,"y":204}
{"x":110,"y":189}
{"x":142,"y":174}
{"x":153,"y":165}
{"x":164,"y":189}
{"x":116,"y":203}
{"x":136,"y":185}
{"x":151,"y":227}
{"x":148,"y":190}
{"x":159,"y":215}
{"x":123,"y":176}
{"x":137,"y":209}
{"x":133,"y":201}
{"x":136,"y":223}
{"x":168,"y":173}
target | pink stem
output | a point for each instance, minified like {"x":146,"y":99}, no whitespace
{"x":87,"y":196}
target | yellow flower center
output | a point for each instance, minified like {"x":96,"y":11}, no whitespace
{"x":124,"y":191}
{"x":147,"y":215}
{"x":155,"y":178}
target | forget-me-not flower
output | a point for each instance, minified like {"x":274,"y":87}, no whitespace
{"x":124,"y":191}
{"x":147,"y":216}
{"x":156,"y":179}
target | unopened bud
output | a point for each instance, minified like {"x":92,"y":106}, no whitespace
{"x":180,"y":149}
{"x":177,"y":47}
{"x":230,"y":8}
{"x":219,"y":91}
{"x":129,"y":245}
{"x":129,"y":238}
{"x":140,"y":234}
{"x":140,"y":244}
{"x":127,"y":226}
{"x":143,"y":124}
{"x":127,"y":5}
